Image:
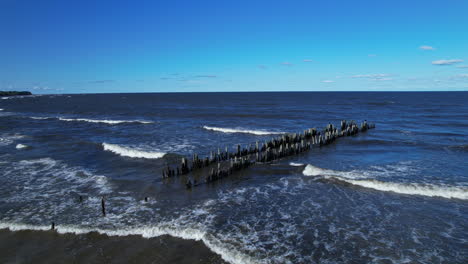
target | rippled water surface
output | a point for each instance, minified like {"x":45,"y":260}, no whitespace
{"x":395,"y":194}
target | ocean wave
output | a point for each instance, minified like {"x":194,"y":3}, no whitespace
{"x":40,"y":117}
{"x":240,"y":130}
{"x":21,"y":146}
{"x":110,"y":122}
{"x":37,"y":189}
{"x":294,"y":164}
{"x":1,"y":109}
{"x":7,"y":139}
{"x":131,"y":152}
{"x":430,"y":190}
{"x":229,"y":254}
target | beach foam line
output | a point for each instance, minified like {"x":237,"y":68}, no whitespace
{"x":110,"y":122}
{"x":430,"y":190}
{"x":229,"y":253}
{"x":40,"y":117}
{"x":240,"y":130}
{"x":132,"y":153}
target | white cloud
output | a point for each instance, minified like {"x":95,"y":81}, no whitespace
{"x":374,"y":77}
{"x":446,"y":62}
{"x":205,"y":76}
{"x":328,"y":81}
{"x":190,"y":81}
{"x":287,"y":63}
{"x":102,"y":81}
{"x":426,"y":47}
{"x":307,"y":60}
{"x":371,"y":76}
{"x":465,"y":75}
{"x":262,"y":66}
{"x":44,"y":88}
{"x":462,"y":66}
{"x":372,"y":55}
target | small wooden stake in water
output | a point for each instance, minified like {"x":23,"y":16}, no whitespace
{"x":103,"y":205}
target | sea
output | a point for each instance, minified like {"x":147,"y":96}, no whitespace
{"x":394,"y":194}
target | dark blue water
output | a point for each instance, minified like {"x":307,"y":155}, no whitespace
{"x":395,"y":194}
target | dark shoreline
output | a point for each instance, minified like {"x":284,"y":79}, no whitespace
{"x":29,"y":246}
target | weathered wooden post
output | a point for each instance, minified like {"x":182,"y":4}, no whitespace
{"x":103,"y":206}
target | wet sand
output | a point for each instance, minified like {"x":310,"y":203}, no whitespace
{"x":51,"y":247}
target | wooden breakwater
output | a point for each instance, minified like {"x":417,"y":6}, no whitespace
{"x":221,"y":164}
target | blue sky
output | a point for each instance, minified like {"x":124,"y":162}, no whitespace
{"x":198,"y":46}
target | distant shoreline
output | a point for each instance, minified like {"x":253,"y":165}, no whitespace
{"x":14,"y":93}
{"x":253,"y":92}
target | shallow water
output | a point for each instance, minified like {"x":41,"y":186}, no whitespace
{"x":395,"y":194}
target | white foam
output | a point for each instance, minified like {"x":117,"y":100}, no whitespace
{"x":131,"y":152}
{"x":21,"y":146}
{"x":294,"y":164}
{"x":241,"y":130}
{"x":403,"y":188}
{"x":40,"y":190}
{"x":414,"y":189}
{"x":1,"y":109}
{"x":229,"y":254}
{"x":7,"y":139}
{"x":39,"y":117}
{"x":110,"y":122}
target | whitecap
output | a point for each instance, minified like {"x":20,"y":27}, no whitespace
{"x":110,"y":122}
{"x":294,"y":164}
{"x":21,"y":146}
{"x":430,"y":190}
{"x":7,"y":139}
{"x":241,"y":130}
{"x":132,"y":152}
{"x":39,"y":117}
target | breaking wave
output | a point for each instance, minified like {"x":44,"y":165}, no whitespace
{"x":7,"y":139}
{"x":430,"y":190}
{"x":110,"y":122}
{"x":240,"y":130}
{"x":21,"y":146}
{"x":229,"y":254}
{"x":132,"y":153}
{"x":40,"y":117}
{"x":294,"y":164}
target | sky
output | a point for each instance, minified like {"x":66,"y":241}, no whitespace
{"x":98,"y":46}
